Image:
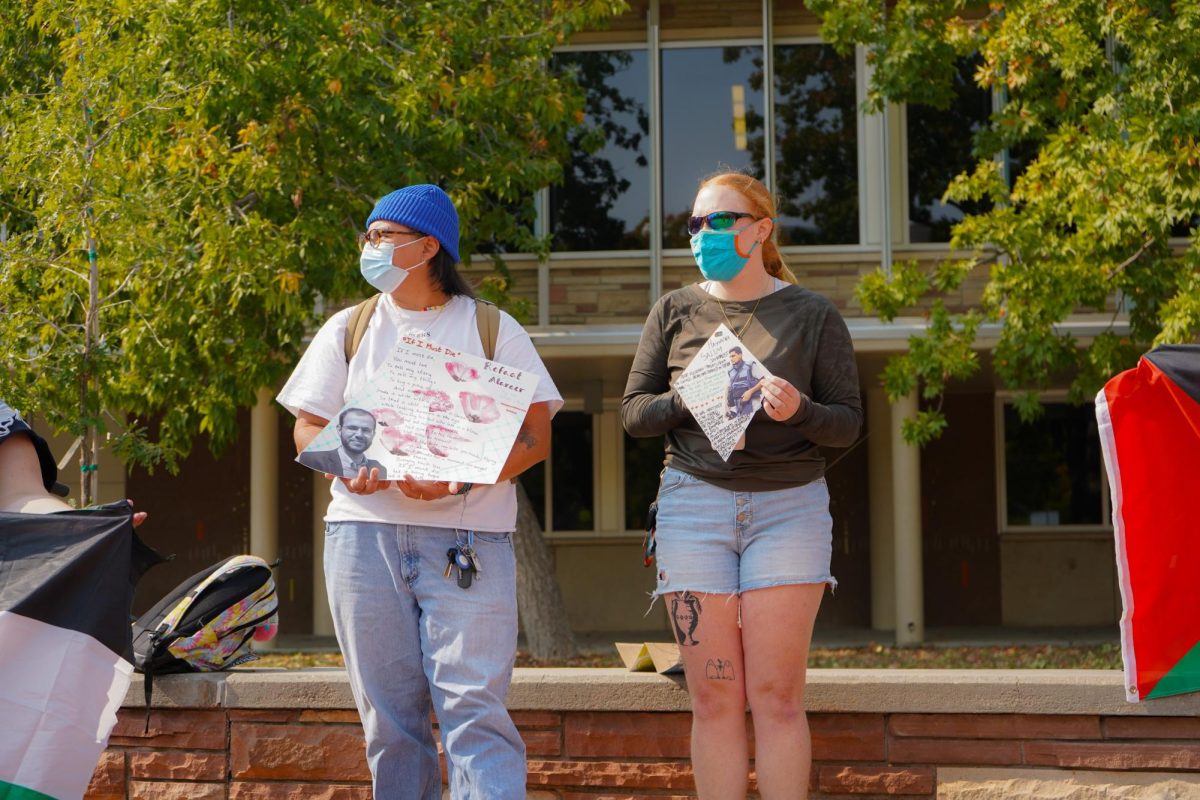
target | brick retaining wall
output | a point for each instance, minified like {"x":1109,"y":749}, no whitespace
{"x":595,"y":734}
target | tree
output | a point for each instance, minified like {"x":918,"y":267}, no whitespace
{"x":539,"y":598}
{"x":1104,"y":98}
{"x":180,"y":183}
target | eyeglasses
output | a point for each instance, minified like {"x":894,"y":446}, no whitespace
{"x":377,"y":236}
{"x":716,"y":221}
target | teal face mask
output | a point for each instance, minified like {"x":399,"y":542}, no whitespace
{"x":717,"y":255}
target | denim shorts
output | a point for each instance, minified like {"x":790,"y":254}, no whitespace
{"x":718,"y":541}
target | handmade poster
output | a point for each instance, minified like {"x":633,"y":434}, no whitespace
{"x":722,"y":387}
{"x":432,"y":412}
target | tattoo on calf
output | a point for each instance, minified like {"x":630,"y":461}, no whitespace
{"x":718,"y":669}
{"x":685,"y":613}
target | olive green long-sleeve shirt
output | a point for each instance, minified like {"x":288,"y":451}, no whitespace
{"x":798,"y":335}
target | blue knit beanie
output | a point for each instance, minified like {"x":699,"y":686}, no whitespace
{"x":424,"y":208}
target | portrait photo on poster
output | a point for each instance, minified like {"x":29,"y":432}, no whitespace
{"x":431,"y":412}
{"x":722,"y":387}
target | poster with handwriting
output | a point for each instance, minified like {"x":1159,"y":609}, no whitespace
{"x":722,"y":387}
{"x":431,"y":412}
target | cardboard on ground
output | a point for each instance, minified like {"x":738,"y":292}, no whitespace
{"x":660,"y":657}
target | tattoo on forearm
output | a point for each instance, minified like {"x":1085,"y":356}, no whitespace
{"x":685,"y":613}
{"x":718,"y":669}
{"x":526,"y":438}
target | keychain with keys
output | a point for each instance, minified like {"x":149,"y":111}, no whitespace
{"x":451,"y":558}
{"x":467,"y":562}
{"x":466,"y":568}
{"x":468,"y":550}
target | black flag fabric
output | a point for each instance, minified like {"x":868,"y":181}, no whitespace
{"x":66,"y":591}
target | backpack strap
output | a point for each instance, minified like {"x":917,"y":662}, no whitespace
{"x":356,"y":328}
{"x":487,"y":319}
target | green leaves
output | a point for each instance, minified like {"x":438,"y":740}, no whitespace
{"x":229,"y":154}
{"x":1102,"y":106}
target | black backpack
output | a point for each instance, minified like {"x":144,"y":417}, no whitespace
{"x":205,"y":624}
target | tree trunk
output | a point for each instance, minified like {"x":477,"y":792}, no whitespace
{"x":539,"y":600}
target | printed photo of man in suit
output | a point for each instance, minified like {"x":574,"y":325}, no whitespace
{"x":356,"y":427}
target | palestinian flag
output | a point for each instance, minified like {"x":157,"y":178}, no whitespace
{"x":1149,"y":420}
{"x":66,"y":588}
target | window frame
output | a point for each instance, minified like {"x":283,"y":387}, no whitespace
{"x":1002,"y":400}
{"x":654,"y":51}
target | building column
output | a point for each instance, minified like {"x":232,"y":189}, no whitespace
{"x":322,"y":619}
{"x":264,"y":477}
{"x":906,"y":524}
{"x":879,"y":481}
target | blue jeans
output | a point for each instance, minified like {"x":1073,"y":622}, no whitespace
{"x":713,"y":540}
{"x":413,"y":640}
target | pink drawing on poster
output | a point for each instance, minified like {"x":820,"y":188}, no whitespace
{"x":478,"y":407}
{"x":397,"y":442}
{"x":438,"y":400}
{"x":388,"y":417}
{"x":461,"y":372}
{"x":438,"y":439}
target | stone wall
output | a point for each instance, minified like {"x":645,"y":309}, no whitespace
{"x":617,"y":290}
{"x":595,"y":734}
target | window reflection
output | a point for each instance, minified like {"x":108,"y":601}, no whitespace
{"x":939,"y":148}
{"x":816,"y":162}
{"x":604,"y":200}
{"x":816,"y":150}
{"x":710,"y":95}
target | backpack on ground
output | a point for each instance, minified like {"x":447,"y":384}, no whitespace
{"x":487,"y":320}
{"x":205,"y":624}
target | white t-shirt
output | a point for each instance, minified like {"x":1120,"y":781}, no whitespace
{"x":323,"y":383}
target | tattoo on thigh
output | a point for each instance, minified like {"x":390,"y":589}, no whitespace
{"x":718,"y":669}
{"x":685,"y":613}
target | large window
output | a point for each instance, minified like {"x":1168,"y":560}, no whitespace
{"x":1051,"y":472}
{"x":709,"y":96}
{"x":940,"y":146}
{"x":604,"y":200}
{"x":816,"y":158}
{"x":571,"y":450}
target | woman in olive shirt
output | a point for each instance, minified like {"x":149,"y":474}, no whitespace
{"x":744,"y":545}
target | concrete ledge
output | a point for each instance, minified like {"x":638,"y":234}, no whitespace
{"x":930,"y":691}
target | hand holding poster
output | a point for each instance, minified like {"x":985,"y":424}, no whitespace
{"x":432,"y":412}
{"x":722,"y":387}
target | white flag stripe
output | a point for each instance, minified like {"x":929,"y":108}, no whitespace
{"x":59,"y":695}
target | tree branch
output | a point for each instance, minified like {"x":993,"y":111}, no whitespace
{"x":104,"y":300}
{"x":1140,"y":252}
{"x":79,"y":275}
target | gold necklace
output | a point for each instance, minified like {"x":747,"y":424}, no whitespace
{"x":736,"y":332}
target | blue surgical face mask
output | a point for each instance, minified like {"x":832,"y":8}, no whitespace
{"x":376,"y":266}
{"x":717,"y":254}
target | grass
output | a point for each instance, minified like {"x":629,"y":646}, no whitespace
{"x":876,"y":656}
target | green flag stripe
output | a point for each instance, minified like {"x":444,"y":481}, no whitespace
{"x":1183,"y":677}
{"x":10,"y":791}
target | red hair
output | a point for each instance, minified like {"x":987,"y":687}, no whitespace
{"x":761,"y":205}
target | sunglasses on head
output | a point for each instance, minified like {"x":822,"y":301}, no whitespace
{"x":716,"y":221}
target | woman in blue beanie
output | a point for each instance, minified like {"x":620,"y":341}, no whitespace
{"x":415,"y":639}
